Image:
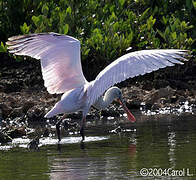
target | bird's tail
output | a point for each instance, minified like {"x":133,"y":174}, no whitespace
{"x":50,"y":114}
{"x":57,"y":109}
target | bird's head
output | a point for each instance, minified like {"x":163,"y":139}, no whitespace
{"x":117,"y":94}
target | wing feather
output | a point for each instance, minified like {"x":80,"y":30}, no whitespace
{"x":59,"y":55}
{"x":131,"y":65}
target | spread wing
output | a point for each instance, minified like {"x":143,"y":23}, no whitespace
{"x":59,"y":55}
{"x":131,"y":65}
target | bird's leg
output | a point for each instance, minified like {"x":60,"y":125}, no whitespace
{"x":58,"y":127}
{"x":82,"y":128}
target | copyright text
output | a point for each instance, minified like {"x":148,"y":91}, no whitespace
{"x":166,"y":172}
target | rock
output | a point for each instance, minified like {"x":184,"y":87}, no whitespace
{"x":174,"y":99}
{"x":36,"y":113}
{"x":2,"y":88}
{"x":27,"y":105}
{"x":70,"y":125}
{"x":192,"y":101}
{"x":16,"y":112}
{"x":160,"y":84}
{"x":1,"y":117}
{"x":180,"y":84}
{"x":156,"y":96}
{"x":134,"y":104}
{"x":164,"y":100}
{"x":74,"y":116}
{"x":148,"y":105}
{"x":17,"y":132}
{"x":46,"y":133}
{"x":180,"y":92}
{"x":4,"y":138}
{"x":147,"y":85}
{"x":12,"y":101}
{"x":11,"y":86}
{"x":19,"y":120}
{"x":194,"y":91}
{"x":5,"y":109}
{"x":165,"y":92}
{"x":108,"y":113}
{"x":89,"y":116}
{"x":156,"y":106}
{"x":181,"y":100}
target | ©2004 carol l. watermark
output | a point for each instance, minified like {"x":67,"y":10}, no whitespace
{"x":185,"y":172}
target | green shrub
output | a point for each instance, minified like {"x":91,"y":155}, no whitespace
{"x":105,"y":28}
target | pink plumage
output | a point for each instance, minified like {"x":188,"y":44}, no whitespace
{"x":62,"y":71}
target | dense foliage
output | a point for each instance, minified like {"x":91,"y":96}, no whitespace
{"x":106,"y":28}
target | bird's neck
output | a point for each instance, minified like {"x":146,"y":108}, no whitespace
{"x":104,"y":101}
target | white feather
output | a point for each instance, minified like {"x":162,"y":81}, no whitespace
{"x":59,"y":55}
{"x":62,"y":71}
{"x":133,"y":64}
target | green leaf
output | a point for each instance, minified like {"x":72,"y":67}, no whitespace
{"x":112,"y":8}
{"x":25,"y":29}
{"x":161,"y":34}
{"x":3,"y":48}
{"x":62,"y":16}
{"x":167,"y":31}
{"x":37,"y":20}
{"x":173,"y":35}
{"x":150,"y":22}
{"x":130,"y":36}
{"x":164,"y":20}
{"x":113,"y":16}
{"x":116,"y":26}
{"x":45,"y":9}
{"x":142,"y":44}
{"x":121,"y":2}
{"x":68,"y":11}
{"x":144,"y":15}
{"x":194,"y":4}
{"x":65,"y":29}
{"x":86,"y":52}
{"x":190,"y":41}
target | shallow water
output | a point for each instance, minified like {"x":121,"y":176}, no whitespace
{"x":162,"y":144}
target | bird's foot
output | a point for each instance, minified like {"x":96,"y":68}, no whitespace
{"x":33,"y":145}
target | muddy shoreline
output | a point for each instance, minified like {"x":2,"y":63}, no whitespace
{"x":24,"y":99}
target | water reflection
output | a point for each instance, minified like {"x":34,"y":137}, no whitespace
{"x":104,"y":164}
{"x":153,"y":142}
{"x":172,"y":146}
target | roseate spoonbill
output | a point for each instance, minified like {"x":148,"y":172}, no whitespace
{"x":62,"y":72}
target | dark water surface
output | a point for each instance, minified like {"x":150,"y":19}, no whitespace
{"x":164,"y":145}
